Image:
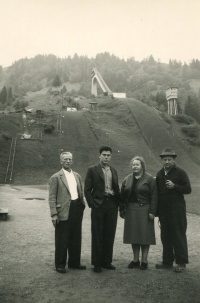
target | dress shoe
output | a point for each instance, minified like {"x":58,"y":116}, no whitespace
{"x":97,"y":269}
{"x":134,"y":264}
{"x":80,"y":267}
{"x":61,"y":270}
{"x":163,"y":266}
{"x":180,"y":268}
{"x":143,"y":265}
{"x":109,"y":266}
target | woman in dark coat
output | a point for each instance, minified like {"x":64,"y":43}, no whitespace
{"x":139,"y":194}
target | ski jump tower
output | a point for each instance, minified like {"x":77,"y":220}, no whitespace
{"x":172,"y":96}
{"x":97,"y":78}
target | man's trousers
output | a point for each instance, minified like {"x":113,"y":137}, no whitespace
{"x":104,"y":222}
{"x":68,"y":235}
{"x":173,"y":223}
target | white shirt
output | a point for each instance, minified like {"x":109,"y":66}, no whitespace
{"x":72,"y":184}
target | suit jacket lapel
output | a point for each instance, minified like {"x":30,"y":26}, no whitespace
{"x":114,"y":179}
{"x":100,"y":172}
{"x":63,"y":178}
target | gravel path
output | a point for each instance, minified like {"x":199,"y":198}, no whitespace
{"x":27,"y":261}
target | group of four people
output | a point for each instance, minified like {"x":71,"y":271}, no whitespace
{"x":142,"y":197}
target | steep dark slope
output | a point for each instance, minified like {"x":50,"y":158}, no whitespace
{"x":36,"y":161}
{"x":115,"y":126}
{"x":10,"y":127}
{"x":78,"y":137}
{"x":129,"y":126}
{"x":158,"y":136}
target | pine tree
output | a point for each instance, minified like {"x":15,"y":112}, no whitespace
{"x":192,"y":108}
{"x":56,"y":82}
{"x":1,"y":73}
{"x":9,"y":96}
{"x":3,"y":95}
{"x":64,"y":89}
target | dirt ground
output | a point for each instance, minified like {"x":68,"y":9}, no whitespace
{"x":27,"y":261}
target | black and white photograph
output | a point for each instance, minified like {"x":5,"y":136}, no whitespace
{"x":99,"y":151}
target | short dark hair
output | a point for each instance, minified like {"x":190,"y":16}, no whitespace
{"x":105,"y":148}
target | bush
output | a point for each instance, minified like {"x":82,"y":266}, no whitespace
{"x":181,"y":118}
{"x":39,"y":113}
{"x":20,"y":105}
{"x":194,"y":141}
{"x":165,"y":117}
{"x":6,"y":136}
{"x":48,"y":129}
{"x":192,"y":131}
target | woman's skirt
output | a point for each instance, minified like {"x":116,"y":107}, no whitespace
{"x":138,"y":229}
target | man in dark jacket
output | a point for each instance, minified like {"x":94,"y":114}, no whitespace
{"x":103,"y":197}
{"x":173,"y":183}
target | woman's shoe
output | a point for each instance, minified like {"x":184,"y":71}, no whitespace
{"x":143,"y":265}
{"x":134,"y":264}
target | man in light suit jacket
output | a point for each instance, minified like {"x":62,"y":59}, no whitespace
{"x":66,"y":207}
{"x":103,"y":197}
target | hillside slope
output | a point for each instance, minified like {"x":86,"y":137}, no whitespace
{"x":130,"y":127}
{"x":36,"y":161}
{"x":158,"y":135}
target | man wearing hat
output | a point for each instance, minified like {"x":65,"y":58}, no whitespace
{"x":173,"y":183}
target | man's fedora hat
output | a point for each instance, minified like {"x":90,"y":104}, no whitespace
{"x":168,"y":151}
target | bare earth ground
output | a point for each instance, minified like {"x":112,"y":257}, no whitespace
{"x":27,"y":261}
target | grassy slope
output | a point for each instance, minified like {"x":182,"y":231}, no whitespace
{"x":192,"y":150}
{"x":44,"y":101}
{"x":158,"y":135}
{"x":129,"y":126}
{"x":10,"y":126}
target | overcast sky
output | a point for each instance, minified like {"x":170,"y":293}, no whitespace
{"x":127,"y":28}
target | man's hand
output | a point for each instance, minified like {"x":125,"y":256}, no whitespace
{"x":169,"y":184}
{"x":122,"y":214}
{"x":55,"y":220}
{"x":151,"y":217}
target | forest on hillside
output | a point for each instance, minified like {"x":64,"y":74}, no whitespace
{"x":146,"y":80}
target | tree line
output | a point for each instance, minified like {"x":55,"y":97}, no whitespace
{"x":146,"y":80}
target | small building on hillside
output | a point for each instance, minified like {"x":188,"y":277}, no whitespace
{"x":24,"y":110}
{"x":93,"y":105}
{"x":119,"y":95}
{"x":26,"y":136}
{"x":71,"y":109}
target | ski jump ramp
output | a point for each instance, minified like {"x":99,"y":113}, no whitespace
{"x":97,"y":78}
